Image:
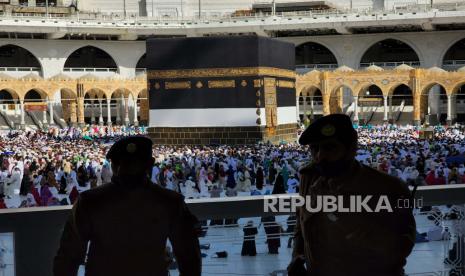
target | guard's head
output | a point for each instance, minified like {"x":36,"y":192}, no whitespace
{"x":131,"y":156}
{"x":333,"y":143}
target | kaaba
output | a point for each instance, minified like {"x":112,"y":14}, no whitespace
{"x":221,"y":90}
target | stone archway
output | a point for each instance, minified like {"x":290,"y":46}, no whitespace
{"x":336,"y":99}
{"x":401,"y":104}
{"x":458,"y":101}
{"x":69,"y":106}
{"x":310,"y":103}
{"x":433,"y":104}
{"x":370,"y":104}
{"x":8,"y":96}
{"x":34,"y":108}
{"x":121,"y":100}
{"x":9,"y":100}
{"x":35,"y":96}
{"x":93,"y":104}
{"x":99,"y":106}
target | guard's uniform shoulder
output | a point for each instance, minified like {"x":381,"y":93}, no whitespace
{"x":383,"y":182}
{"x":111,"y":191}
{"x":306,"y":174}
{"x":165,"y":194}
{"x":97,"y":193}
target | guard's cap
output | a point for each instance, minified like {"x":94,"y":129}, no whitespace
{"x":134,"y":147}
{"x":338,"y":126}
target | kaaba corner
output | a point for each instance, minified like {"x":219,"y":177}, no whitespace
{"x":221,"y":90}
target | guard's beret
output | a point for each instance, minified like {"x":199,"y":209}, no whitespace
{"x":338,"y":126}
{"x":134,"y":147}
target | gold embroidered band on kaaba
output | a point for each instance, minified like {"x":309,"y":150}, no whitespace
{"x":177,"y":85}
{"x":221,"y":84}
{"x":285,"y":84}
{"x":221,"y":72}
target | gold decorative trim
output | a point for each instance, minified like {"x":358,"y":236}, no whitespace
{"x":221,"y":72}
{"x":270,"y":82}
{"x":286,"y":84}
{"x":157,"y":85}
{"x":257,"y":83}
{"x":199,"y":84}
{"x":222,"y":84}
{"x":271,"y":108}
{"x":244,"y":83}
{"x":177,"y":85}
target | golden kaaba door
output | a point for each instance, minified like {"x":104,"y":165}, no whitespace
{"x":271,"y":108}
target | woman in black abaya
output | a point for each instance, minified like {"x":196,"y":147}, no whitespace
{"x":248,"y":246}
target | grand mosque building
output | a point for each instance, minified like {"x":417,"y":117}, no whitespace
{"x":78,"y":62}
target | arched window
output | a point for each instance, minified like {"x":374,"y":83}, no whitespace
{"x":15,"y":56}
{"x":314,"y":55}
{"x":390,"y":53}
{"x":90,"y":57}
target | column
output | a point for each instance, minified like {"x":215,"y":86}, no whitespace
{"x":100,"y":119}
{"x":45,"y":112}
{"x":385,"y":98}
{"x":118,"y":111}
{"x":108,"y":112}
{"x":312,"y":113}
{"x":21,"y":110}
{"x":416,"y":109}
{"x":304,"y":107}
{"x":51,"y":112}
{"x":449,"y":109}
{"x":92,"y":113}
{"x":296,"y":109}
{"x":136,"y":122}
{"x":73,"y":113}
{"x":340,"y":100}
{"x":416,"y":93}
{"x":390,"y":110}
{"x":126,"y":111}
{"x":356,"y":109}
{"x":80,"y":113}
{"x":326,"y":103}
{"x":428,"y":114}
{"x":16,"y":107}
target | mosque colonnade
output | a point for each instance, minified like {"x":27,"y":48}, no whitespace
{"x":393,"y":90}
{"x":88,"y":99}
